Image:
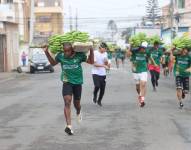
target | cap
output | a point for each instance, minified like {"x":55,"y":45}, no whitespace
{"x":144,"y":44}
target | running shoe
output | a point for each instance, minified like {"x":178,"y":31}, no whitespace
{"x":142,"y":104}
{"x":79,"y":118}
{"x":94,"y":100}
{"x":99,"y":103}
{"x":69,"y":131}
{"x":141,"y":101}
{"x":181,"y":105}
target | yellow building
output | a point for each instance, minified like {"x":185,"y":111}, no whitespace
{"x":48,"y":18}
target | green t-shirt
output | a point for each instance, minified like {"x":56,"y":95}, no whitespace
{"x":71,"y":67}
{"x":120,"y":54}
{"x":109,"y":55}
{"x":181,"y":64}
{"x":139,"y":60}
{"x":156,"y":55}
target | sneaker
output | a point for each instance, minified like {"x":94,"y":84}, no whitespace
{"x":79,"y":118}
{"x":69,"y":131}
{"x":94,"y":100}
{"x":99,"y":103}
{"x":139,"y":99}
{"x":142,"y":104}
{"x":181,"y":105}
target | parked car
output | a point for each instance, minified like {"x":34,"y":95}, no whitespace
{"x":39,"y":62}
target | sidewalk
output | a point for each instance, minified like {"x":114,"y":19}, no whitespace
{"x":6,"y":76}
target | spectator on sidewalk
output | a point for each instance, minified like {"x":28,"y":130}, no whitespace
{"x":23,"y":58}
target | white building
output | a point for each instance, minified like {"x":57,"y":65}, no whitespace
{"x":9,"y":35}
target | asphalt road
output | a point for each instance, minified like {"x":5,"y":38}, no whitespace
{"x":31,"y":115}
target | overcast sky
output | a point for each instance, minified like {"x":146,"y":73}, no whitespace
{"x":106,"y":9}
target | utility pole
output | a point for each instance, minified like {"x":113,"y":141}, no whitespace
{"x":31,"y":22}
{"x":76,"y":19}
{"x":70,"y":19}
{"x":172,"y":19}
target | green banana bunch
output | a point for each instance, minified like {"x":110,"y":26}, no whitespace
{"x":136,"y":40}
{"x":182,"y":42}
{"x":154,"y":39}
{"x":56,"y":41}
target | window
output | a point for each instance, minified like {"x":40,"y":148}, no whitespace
{"x":43,"y":19}
{"x":181,"y":4}
{"x":9,"y":1}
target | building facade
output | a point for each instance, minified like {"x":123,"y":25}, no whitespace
{"x":181,"y":20}
{"x":48,"y":18}
{"x":9,"y":35}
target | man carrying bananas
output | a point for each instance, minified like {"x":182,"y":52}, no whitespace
{"x":139,"y":59}
{"x":71,"y":77}
{"x":154,"y":65}
{"x":182,"y":72}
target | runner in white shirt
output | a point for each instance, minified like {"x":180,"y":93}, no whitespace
{"x":99,"y":72}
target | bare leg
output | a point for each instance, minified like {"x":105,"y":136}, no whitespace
{"x":77,"y":106}
{"x":138,"y":88}
{"x":143,"y":88}
{"x":67,"y":109}
{"x":179,"y":94}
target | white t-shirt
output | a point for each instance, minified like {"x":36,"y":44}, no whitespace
{"x":99,"y":58}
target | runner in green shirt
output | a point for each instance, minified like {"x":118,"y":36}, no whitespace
{"x":182,"y":69}
{"x":165,"y":63}
{"x":71,"y":77}
{"x":154,"y":68}
{"x":120,"y":55}
{"x":139,"y":59}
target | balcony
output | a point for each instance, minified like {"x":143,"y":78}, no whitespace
{"x":9,"y":13}
{"x":48,"y":10}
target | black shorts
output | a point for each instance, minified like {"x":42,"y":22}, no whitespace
{"x":182,"y":83}
{"x":72,"y":89}
{"x":99,"y":81}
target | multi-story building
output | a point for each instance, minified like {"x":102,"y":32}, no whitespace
{"x":181,"y":19}
{"x":9,"y":35}
{"x":48,"y":18}
{"x":24,"y":20}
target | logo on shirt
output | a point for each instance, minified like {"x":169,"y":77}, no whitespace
{"x":70,"y":67}
{"x":140,"y":58}
{"x":183,"y":62}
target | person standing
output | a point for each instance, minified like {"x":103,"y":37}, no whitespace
{"x":139,"y":58}
{"x":72,"y":78}
{"x":182,"y":69}
{"x":154,"y":65}
{"x":23,"y":58}
{"x":99,"y":73}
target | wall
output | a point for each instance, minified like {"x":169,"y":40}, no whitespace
{"x":12,"y":46}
